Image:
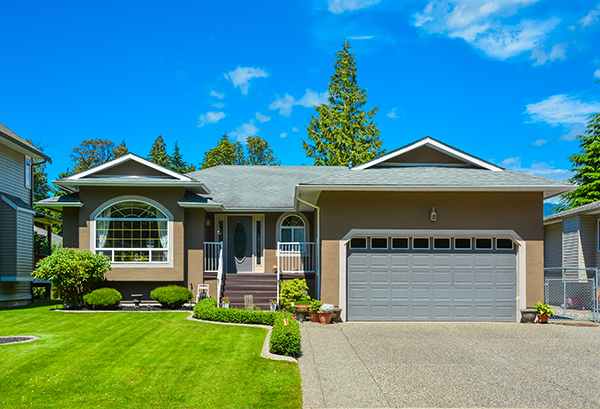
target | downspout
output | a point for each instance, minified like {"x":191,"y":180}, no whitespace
{"x":318,"y":240}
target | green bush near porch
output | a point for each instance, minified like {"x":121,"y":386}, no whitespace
{"x":171,"y":296}
{"x":285,"y":337}
{"x":103,"y":298}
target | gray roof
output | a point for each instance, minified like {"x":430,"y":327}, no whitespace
{"x":588,"y":208}
{"x":16,"y":139}
{"x":70,"y":198}
{"x":434,"y":176}
{"x":17,"y":201}
{"x":262,"y":187}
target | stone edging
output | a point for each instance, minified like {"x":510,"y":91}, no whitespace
{"x":265,"y":349}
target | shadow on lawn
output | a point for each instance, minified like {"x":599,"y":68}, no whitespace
{"x":36,"y":304}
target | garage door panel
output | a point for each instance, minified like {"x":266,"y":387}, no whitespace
{"x":431,"y":285}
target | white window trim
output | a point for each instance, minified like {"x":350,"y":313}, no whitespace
{"x":400,"y":248}
{"x":134,"y":264}
{"x":441,"y":248}
{"x":304,"y":219}
{"x":421,"y":249}
{"x":359,"y":248}
{"x":464,"y":238}
{"x":387,"y":243}
{"x":483,"y":237}
{"x":28,"y":173}
{"x":512,"y":244}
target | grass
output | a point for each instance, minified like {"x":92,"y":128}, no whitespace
{"x":138,"y":360}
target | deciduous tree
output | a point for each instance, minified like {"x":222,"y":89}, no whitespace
{"x":342,"y":133}
{"x":225,"y":153}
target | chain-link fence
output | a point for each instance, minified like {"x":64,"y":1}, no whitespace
{"x":572,"y":293}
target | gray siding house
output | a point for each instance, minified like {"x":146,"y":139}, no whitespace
{"x":571,"y":239}
{"x":16,"y":216}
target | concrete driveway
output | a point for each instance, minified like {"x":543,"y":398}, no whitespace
{"x":450,"y":365}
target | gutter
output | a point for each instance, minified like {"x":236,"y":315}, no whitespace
{"x":318,"y":261}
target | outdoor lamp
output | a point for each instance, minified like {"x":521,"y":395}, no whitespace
{"x":433,"y":215}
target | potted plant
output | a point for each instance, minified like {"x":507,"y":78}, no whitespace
{"x":225,"y":302}
{"x":544,"y":311}
{"x":325,"y":313}
{"x":315,"y":306}
{"x":273,"y":305}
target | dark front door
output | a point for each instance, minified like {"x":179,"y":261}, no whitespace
{"x":239,"y":244}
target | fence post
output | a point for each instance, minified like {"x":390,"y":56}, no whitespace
{"x":564,"y":296}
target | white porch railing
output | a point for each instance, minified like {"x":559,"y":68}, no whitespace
{"x":213,"y":263}
{"x":295,"y":257}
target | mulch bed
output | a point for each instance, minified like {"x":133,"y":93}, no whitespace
{"x":14,"y":340}
{"x":130,"y":308}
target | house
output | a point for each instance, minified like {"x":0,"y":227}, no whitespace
{"x":424,"y":233}
{"x":16,"y":217}
{"x":571,"y":241}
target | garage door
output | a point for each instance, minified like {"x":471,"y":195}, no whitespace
{"x":431,"y":279}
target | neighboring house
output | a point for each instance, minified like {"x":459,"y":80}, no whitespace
{"x":424,"y":233}
{"x":16,"y":217}
{"x":571,"y":240}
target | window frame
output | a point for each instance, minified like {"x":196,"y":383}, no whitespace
{"x":400,"y":248}
{"x":359,"y":248}
{"x":460,"y":248}
{"x":503,"y":249}
{"x":387,"y":243}
{"x":486,"y":238}
{"x":421,"y":248}
{"x":441,"y":248}
{"x":28,"y":173}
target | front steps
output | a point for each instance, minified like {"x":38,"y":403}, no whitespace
{"x":263,"y":288}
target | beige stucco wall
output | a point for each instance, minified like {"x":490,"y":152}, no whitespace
{"x":343,"y":211}
{"x":93,"y":197}
{"x":194,"y":234}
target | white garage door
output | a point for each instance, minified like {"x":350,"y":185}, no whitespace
{"x":431,"y":279}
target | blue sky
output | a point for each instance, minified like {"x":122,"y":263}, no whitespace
{"x":510,"y":81}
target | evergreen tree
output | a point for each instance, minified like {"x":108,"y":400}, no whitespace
{"x":158,"y":153}
{"x":259,"y":152}
{"x":225,"y":153}
{"x":586,"y":167}
{"x":178,"y":164}
{"x":342,"y":133}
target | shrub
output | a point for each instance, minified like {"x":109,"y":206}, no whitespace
{"x":315,"y":305}
{"x":72,"y":272}
{"x":207,"y":310}
{"x":326,"y":308}
{"x":103,"y":298}
{"x":172,"y":296}
{"x":292,"y":291}
{"x":285,"y":336}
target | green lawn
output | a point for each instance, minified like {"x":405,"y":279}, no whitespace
{"x":138,"y":360}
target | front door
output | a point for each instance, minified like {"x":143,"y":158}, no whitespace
{"x":239,"y":244}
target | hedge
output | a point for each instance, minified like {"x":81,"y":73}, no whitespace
{"x":103,"y":298}
{"x":285,"y":336}
{"x":172,"y":296}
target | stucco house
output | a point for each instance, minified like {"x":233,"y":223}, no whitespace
{"x":571,"y":240}
{"x":16,"y":216}
{"x":424,"y":233}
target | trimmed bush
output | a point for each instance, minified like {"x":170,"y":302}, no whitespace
{"x":172,"y":296}
{"x":292,"y":291}
{"x":207,"y":310}
{"x":285,"y":337}
{"x":103,"y":298}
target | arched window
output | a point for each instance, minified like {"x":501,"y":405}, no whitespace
{"x":132,"y":231}
{"x":293,"y":229}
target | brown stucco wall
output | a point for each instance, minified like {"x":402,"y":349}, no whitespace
{"x":70,"y":218}
{"x":343,"y":211}
{"x":194,"y":234}
{"x":93,"y":197}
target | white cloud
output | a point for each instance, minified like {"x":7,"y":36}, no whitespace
{"x":540,"y":142}
{"x":597,"y":73}
{"x":575,"y":130}
{"x":479,"y":22}
{"x":309,"y":99}
{"x":294,"y":129}
{"x":542,"y":169}
{"x":562,"y":110}
{"x":210,"y":118}
{"x":242,"y":75}
{"x":339,"y":6}
{"x":541,"y":57}
{"x":262,"y":118}
{"x":591,"y":18}
{"x":392,"y":114}
{"x":361,"y":38}
{"x":283,"y":135}
{"x":244,"y":131}
{"x":216,"y":94}
{"x":571,"y":27}
{"x":218,"y":105}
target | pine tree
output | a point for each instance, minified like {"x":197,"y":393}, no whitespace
{"x":259,"y":152}
{"x":342,"y":133}
{"x":586,"y":167}
{"x":158,"y":153}
{"x":178,"y":164}
{"x":225,"y":153}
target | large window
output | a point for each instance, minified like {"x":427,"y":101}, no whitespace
{"x":293,"y":229}
{"x":133,"y":231}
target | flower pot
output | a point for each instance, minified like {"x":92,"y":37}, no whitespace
{"x":314,"y":316}
{"x":542,"y":319}
{"x":226,"y":305}
{"x":273,"y":306}
{"x":337,"y":314}
{"x":528,"y":315}
{"x":325,"y":317}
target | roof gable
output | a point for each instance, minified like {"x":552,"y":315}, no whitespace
{"x":129,"y":165}
{"x":429,"y":152}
